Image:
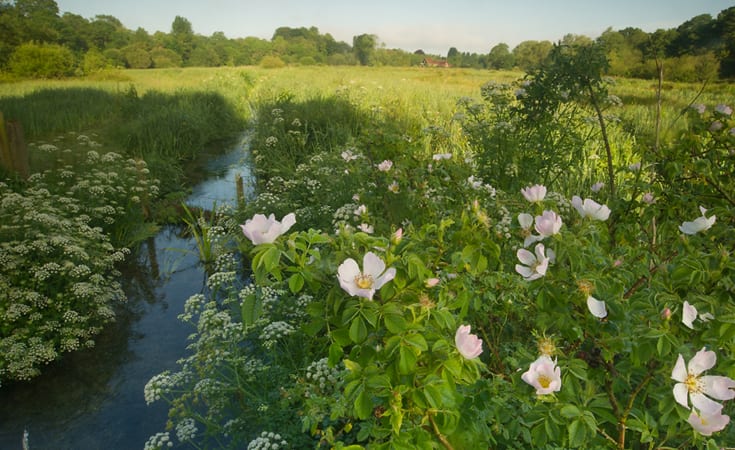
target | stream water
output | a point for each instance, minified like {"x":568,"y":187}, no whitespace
{"x":93,"y":399}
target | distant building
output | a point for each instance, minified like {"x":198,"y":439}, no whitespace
{"x":428,"y":62}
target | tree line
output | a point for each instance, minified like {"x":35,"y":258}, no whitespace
{"x":37,"y":41}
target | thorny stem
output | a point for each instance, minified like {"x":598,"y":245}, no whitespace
{"x":608,"y":152}
{"x":643,"y":278}
{"x":629,"y":407}
{"x":438,"y":433}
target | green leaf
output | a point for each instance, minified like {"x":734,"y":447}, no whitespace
{"x":251,"y":309}
{"x":358,"y":330}
{"x":363,"y":405}
{"x":352,"y":366}
{"x":395,"y":323}
{"x":577,"y":433}
{"x":335,"y":354}
{"x":378,"y":382}
{"x":570,"y":411}
{"x":271,"y":258}
{"x":417,"y":341}
{"x":406,"y":360}
{"x":296,"y":282}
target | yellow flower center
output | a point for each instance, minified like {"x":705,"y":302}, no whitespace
{"x":693,"y":384}
{"x":364,"y":281}
{"x":544,"y":381}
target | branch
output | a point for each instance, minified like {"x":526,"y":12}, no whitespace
{"x":438,"y":433}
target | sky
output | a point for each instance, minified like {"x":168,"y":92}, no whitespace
{"x":434,"y":26}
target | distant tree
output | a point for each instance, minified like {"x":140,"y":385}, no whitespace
{"x":364,"y":48}
{"x":94,"y":61}
{"x":142,"y":38}
{"x":576,"y":39}
{"x":529,"y":55}
{"x":204,"y":54}
{"x":115,"y":57}
{"x":500,"y":57}
{"x":250,"y":51}
{"x":164,"y":57}
{"x":137,"y":57}
{"x":454,"y":57}
{"x":39,"y":20}
{"x":624,"y":57}
{"x":75,"y":32}
{"x":108,"y":32}
{"x":725,"y":29}
{"x":10,"y":35}
{"x":696,"y":36}
{"x":182,"y":35}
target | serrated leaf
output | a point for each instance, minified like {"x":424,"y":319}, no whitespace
{"x":577,"y":433}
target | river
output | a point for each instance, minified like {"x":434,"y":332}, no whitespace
{"x":93,"y":399}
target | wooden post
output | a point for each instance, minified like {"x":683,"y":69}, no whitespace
{"x":5,"y":159}
{"x":13,"y":150}
{"x":240,"y":190}
{"x":18,"y":148}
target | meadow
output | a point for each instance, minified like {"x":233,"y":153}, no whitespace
{"x":434,"y":258}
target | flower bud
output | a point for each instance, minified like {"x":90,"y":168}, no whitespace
{"x":666,"y":314}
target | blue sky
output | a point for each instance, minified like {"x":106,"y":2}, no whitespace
{"x":431,"y":25}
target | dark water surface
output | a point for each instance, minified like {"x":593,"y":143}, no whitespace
{"x":93,"y":399}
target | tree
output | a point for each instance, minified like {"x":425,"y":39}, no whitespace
{"x":725,"y":28}
{"x":108,"y":32}
{"x":38,"y":20}
{"x":500,"y":57}
{"x":694,"y":37}
{"x":183,"y":38}
{"x":364,"y":48}
{"x":530,"y":54}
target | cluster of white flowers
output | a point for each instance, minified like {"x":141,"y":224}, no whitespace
{"x":158,"y":441}
{"x":158,"y":386}
{"x":225,"y":262}
{"x":186,"y":430}
{"x":502,"y":227}
{"x":268,"y":441}
{"x":322,"y":379}
{"x":275,"y":331}
{"x":478,"y":184}
{"x":221,"y":279}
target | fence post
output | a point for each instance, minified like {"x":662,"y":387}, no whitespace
{"x":240,"y":190}
{"x":13,"y":150}
{"x":5,"y":159}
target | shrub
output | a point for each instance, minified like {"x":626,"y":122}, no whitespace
{"x":271,"y":62}
{"x":591,"y":304}
{"x":34,"y":60}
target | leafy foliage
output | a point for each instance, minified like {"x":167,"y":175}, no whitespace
{"x":392,"y":375}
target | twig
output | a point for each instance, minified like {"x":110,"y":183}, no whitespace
{"x":438,"y":433}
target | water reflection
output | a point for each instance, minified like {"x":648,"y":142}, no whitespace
{"x":219,"y":188}
{"x":93,"y":399}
